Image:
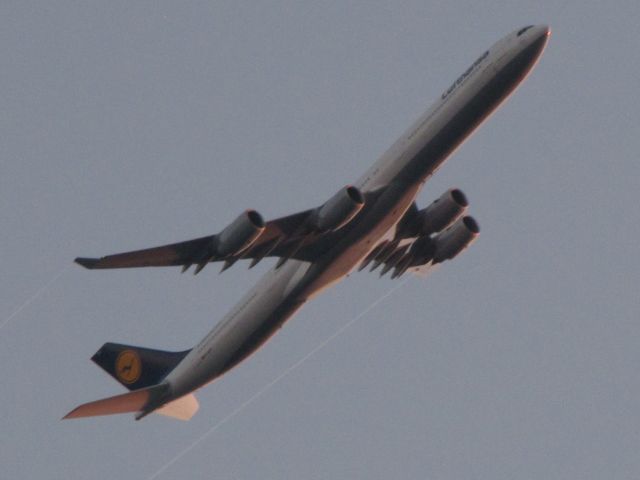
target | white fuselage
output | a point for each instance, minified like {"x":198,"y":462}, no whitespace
{"x":395,"y":179}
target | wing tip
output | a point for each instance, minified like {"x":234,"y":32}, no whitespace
{"x":89,"y":263}
{"x":69,"y":415}
{"x":77,"y":412}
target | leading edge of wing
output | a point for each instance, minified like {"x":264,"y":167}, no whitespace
{"x":167,"y":255}
{"x":286,"y":237}
{"x":274,"y":242}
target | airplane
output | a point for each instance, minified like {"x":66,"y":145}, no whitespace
{"x":374,"y":221}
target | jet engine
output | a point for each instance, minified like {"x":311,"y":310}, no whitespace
{"x":422,"y":251}
{"x":442,"y":213}
{"x":455,"y":239}
{"x":451,"y":205}
{"x":338,"y":211}
{"x":240,"y":234}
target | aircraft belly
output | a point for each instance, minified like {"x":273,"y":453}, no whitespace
{"x":389,"y":209}
{"x":282,"y":291}
{"x":260,"y":310}
{"x":300,"y":281}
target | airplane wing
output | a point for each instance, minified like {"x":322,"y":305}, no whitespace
{"x":285,"y":237}
{"x":425,"y":238}
{"x":305,"y":235}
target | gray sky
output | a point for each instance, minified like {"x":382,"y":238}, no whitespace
{"x":131,"y":125}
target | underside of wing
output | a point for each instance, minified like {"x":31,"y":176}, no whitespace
{"x":305,"y":236}
{"x":425,"y":238}
{"x":246,"y":238}
{"x":164,"y":256}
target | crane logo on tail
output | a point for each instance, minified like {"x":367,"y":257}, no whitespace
{"x":128,"y":366}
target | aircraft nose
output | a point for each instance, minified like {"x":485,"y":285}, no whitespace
{"x":542,"y":31}
{"x":538,"y":40}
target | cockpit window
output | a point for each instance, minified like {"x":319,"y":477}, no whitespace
{"x":522,"y":30}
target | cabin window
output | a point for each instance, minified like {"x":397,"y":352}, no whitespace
{"x":522,"y":30}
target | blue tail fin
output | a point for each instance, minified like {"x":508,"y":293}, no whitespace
{"x":136,"y":367}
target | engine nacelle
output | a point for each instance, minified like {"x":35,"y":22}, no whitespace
{"x":422,"y":251}
{"x":455,"y":239}
{"x":442,"y":213}
{"x":339,"y":210}
{"x":435,"y":218}
{"x":240,"y":234}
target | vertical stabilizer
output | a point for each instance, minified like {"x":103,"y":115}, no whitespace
{"x":136,"y":367}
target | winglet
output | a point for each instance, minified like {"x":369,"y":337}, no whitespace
{"x":89,"y":263}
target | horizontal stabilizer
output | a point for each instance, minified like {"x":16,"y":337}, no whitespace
{"x":183,"y":408}
{"x":126,"y":403}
